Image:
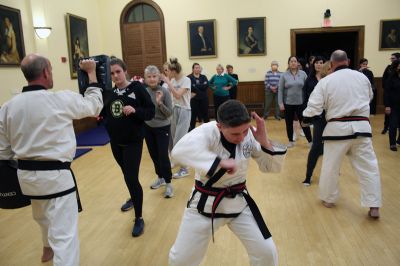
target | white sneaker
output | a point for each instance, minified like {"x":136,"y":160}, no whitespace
{"x":181,"y":173}
{"x":294,"y":136}
{"x":158,"y":183}
{"x":169,"y":191}
{"x":302,"y":133}
{"x":290,"y":144}
{"x":309,"y":144}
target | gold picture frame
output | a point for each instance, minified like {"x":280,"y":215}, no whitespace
{"x":202,"y":38}
{"x":389,"y":34}
{"x":78,"y":43}
{"x":12,"y":49}
{"x":251,"y":36}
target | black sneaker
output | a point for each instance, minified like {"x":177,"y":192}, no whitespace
{"x":127,"y":205}
{"x":393,"y":148}
{"x":138,"y":227}
{"x":384,"y":131}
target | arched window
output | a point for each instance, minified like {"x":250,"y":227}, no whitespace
{"x":142,"y":13}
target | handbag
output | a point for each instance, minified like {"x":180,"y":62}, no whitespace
{"x":11,"y":196}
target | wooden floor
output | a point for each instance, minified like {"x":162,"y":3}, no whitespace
{"x":305,"y":232}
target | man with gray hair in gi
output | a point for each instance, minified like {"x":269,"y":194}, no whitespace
{"x":345,"y":96}
{"x":36,"y":129}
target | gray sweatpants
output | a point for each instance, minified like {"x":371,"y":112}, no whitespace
{"x":180,"y":124}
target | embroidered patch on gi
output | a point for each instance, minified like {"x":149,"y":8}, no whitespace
{"x":132,"y":95}
{"x":116,"y":108}
{"x":247,"y":150}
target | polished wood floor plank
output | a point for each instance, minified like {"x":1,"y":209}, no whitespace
{"x":305,"y":232}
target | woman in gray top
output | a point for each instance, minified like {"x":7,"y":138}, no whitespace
{"x":157,"y":130}
{"x":291,"y":98}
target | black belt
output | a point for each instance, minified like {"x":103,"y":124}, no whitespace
{"x":219,"y":194}
{"x":31,"y":165}
{"x":349,"y":119}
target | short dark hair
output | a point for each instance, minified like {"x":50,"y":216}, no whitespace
{"x":117,"y":61}
{"x":233,"y":113}
{"x":397,"y":55}
{"x":34,"y":68}
{"x":229,"y":66}
{"x":394,"y":66}
{"x":363,"y":60}
{"x":195,"y":64}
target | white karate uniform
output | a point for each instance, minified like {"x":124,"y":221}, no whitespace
{"x":346,"y":93}
{"x":199,"y":149}
{"x":37,"y":125}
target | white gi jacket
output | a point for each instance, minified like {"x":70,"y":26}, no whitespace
{"x":343,"y":93}
{"x":200,"y":148}
{"x":37,"y":125}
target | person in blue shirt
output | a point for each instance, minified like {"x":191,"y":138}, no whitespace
{"x":220,"y":84}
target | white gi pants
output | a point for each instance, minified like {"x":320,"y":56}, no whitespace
{"x":195,"y":234}
{"x":364,"y":162}
{"x":58,"y":220}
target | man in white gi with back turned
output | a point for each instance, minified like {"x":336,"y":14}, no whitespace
{"x":220,"y":153}
{"x":36,"y":128}
{"x":345,"y":95}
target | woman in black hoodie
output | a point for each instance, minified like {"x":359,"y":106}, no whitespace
{"x":129,"y":105}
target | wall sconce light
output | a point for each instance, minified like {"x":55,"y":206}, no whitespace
{"x":42,"y":32}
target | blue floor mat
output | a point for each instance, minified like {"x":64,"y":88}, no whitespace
{"x":97,"y":136}
{"x":81,"y":151}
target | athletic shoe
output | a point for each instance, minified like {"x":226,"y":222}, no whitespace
{"x":138,"y":227}
{"x":328,"y":204}
{"x":302,"y":133}
{"x":307,"y":182}
{"x":127,"y":205}
{"x":169,"y":191}
{"x":277,"y":118}
{"x":393,"y":148}
{"x":294,"y":136}
{"x":290,"y":144}
{"x":309,"y":144}
{"x":181,"y":173}
{"x":384,"y":130}
{"x":158,"y":183}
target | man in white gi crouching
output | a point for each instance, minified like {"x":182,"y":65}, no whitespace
{"x":345,"y":95}
{"x":36,"y":129}
{"x":220,"y":153}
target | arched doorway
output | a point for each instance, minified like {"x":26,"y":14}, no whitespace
{"x":142,"y":36}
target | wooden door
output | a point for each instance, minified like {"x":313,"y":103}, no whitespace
{"x":143,"y":39}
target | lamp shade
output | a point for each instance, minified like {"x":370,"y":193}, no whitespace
{"x":42,"y":32}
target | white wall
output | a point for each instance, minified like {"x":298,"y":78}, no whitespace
{"x":281,"y":17}
{"x":103,"y":17}
{"x":53,"y":13}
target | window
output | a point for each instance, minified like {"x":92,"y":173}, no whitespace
{"x":142,"y":13}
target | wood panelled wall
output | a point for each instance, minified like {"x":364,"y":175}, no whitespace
{"x":251,"y":93}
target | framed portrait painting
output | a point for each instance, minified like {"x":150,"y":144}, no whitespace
{"x":251,"y":36}
{"x":202,"y":38}
{"x":12,"y":49}
{"x":389,"y":34}
{"x":78,"y":43}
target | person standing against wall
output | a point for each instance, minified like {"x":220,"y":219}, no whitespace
{"x":271,"y":84}
{"x":199,"y":101}
{"x":220,"y":84}
{"x":233,"y":90}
